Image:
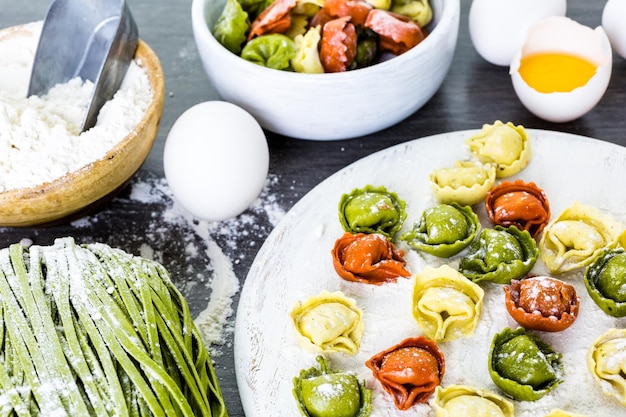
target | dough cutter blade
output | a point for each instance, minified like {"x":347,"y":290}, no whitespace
{"x":91,"y":39}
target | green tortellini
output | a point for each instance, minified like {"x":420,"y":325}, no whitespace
{"x":605,"y":280}
{"x":523,"y":366}
{"x":466,"y":401}
{"x":505,"y":145}
{"x":372,"y":209}
{"x":272,"y":51}
{"x":444,"y":230}
{"x":366,"y":48}
{"x":254,"y":7}
{"x":329,"y":322}
{"x":232,"y":26}
{"x":446,"y":305}
{"x":500,"y":255}
{"x":576,"y":237}
{"x":322,"y":392}
{"x":607,"y":363}
{"x":466,"y":183}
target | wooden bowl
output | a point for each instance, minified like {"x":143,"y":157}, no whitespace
{"x":88,"y":187}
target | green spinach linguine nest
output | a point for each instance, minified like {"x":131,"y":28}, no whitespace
{"x":89,"y":330}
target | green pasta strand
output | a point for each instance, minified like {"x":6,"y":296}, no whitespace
{"x":115,"y":330}
{"x":29,"y":357}
{"x":84,"y":360}
{"x":11,"y":399}
{"x":118,"y":272}
{"x":31,"y":286}
{"x":94,"y":331}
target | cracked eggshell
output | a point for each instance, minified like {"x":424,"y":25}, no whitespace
{"x":563,"y":35}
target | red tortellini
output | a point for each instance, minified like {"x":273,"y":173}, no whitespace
{"x":368,"y":258}
{"x":542,"y":303}
{"x":409,"y":371}
{"x":518,"y":203}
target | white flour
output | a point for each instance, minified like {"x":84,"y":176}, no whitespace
{"x":40,"y":138}
{"x":203,"y":257}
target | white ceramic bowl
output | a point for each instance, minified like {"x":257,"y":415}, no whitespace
{"x":336,"y":105}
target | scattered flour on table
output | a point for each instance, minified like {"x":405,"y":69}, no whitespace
{"x":40,"y":137}
{"x":212,"y":246}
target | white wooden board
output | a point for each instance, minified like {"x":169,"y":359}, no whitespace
{"x":295,"y":263}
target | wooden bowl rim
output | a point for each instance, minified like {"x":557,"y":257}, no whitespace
{"x":146,"y":58}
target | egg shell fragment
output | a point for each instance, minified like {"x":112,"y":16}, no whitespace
{"x":564,"y":35}
{"x":216,"y":160}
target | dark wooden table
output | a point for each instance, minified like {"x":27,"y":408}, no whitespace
{"x":474,"y":92}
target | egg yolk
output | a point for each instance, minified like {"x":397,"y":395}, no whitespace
{"x":555,"y":73}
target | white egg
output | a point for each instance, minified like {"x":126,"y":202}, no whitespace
{"x":216,"y":160}
{"x":566,"y":38}
{"x":614,"y":24}
{"x":498,"y":27}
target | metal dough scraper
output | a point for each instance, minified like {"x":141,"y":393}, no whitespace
{"x":91,"y":39}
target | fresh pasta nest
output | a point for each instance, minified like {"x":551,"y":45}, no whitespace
{"x":87,"y":330}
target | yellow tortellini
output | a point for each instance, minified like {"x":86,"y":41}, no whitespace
{"x":307,"y":58}
{"x":466,"y":183}
{"x":380,"y":4}
{"x":298,"y":26}
{"x":576,"y":237}
{"x":620,"y":242}
{"x":506,"y":145}
{"x":606,"y":361}
{"x":462,"y":400}
{"x":329,"y":322}
{"x":307,"y":7}
{"x":560,"y":413}
{"x":446,"y":305}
